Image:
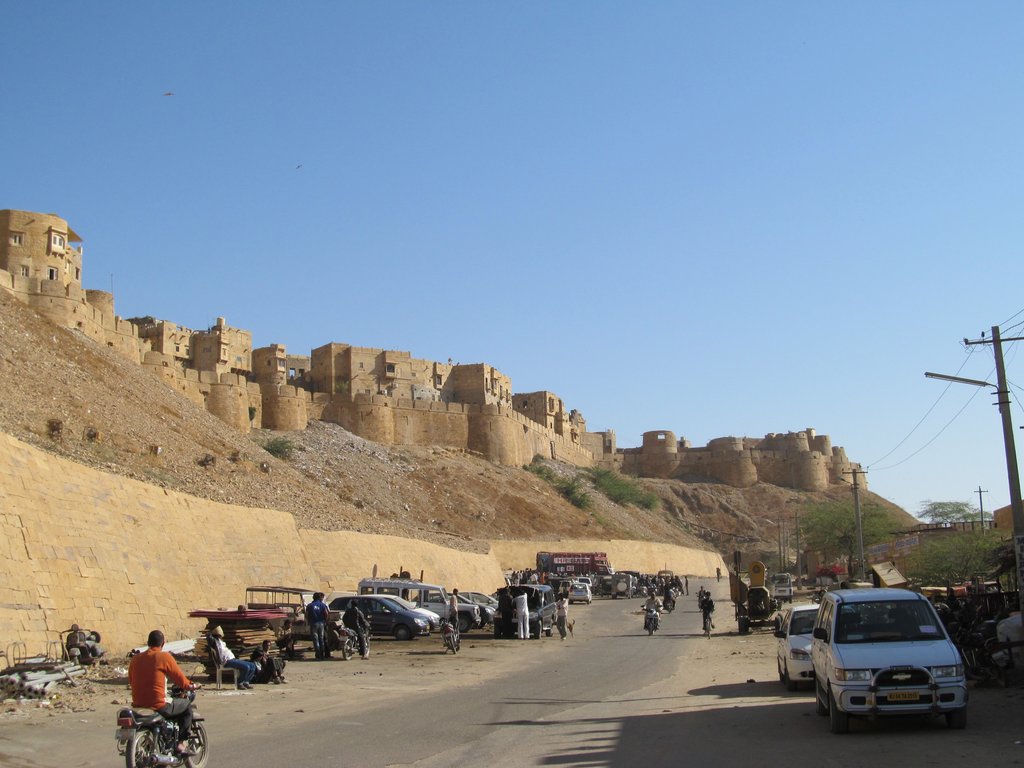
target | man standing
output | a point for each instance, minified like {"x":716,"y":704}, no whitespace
{"x":522,"y":615}
{"x":316,"y":616}
{"x":147,"y":674}
{"x":562,"y":614}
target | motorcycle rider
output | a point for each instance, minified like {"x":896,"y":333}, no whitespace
{"x":669,"y":599}
{"x":652,"y":604}
{"x":147,"y":674}
{"x":707,"y":607}
{"x":356,"y":620}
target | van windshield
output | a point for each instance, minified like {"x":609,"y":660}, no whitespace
{"x":887,"y":621}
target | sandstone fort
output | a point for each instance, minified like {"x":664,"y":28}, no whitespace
{"x":382,"y":395}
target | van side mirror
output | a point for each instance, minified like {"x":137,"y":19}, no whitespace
{"x":780,"y":634}
{"x":820,"y":633}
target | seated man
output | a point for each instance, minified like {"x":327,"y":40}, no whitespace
{"x":286,"y":640}
{"x":223,"y":656}
{"x":271,"y":668}
{"x":147,"y":674}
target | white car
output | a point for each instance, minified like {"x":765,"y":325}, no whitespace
{"x":881,"y":652}
{"x":580,"y":593}
{"x":793,"y":655}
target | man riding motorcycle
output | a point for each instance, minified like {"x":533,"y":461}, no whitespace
{"x":147,"y":674}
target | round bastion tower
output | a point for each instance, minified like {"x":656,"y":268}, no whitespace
{"x":659,"y":454}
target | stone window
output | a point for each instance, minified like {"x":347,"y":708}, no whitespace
{"x":24,"y":270}
{"x":437,"y":380}
{"x":17,"y":238}
{"x":52,"y":273}
{"x":389,"y":367}
{"x":78,"y":273}
{"x":57,"y":241}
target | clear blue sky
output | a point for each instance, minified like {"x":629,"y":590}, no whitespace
{"x":714,"y":218}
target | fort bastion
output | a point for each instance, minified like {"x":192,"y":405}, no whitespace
{"x":387,"y":396}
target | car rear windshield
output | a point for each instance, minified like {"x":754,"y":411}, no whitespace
{"x":802,"y":623}
{"x":887,"y":621}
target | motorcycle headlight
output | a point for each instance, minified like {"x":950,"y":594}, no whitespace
{"x":853,"y":675}
{"x":952,"y":670}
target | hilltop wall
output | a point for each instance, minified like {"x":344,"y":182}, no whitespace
{"x":497,"y":432}
{"x":123,"y":557}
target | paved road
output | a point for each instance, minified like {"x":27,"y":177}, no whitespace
{"x":609,"y":697}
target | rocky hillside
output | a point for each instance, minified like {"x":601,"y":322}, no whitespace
{"x":114,"y":416}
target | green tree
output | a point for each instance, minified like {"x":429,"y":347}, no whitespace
{"x":831,"y":529}
{"x":948,"y":511}
{"x":954,"y":557}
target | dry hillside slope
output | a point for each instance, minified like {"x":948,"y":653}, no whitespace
{"x":333,"y":480}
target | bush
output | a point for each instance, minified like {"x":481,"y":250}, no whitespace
{"x":621,"y":489}
{"x":571,"y":489}
{"x":279,"y":447}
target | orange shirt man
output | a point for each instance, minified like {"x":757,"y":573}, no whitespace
{"x":148,"y":673}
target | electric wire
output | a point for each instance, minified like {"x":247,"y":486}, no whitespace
{"x":937,"y":436}
{"x":1019,"y":312}
{"x":970,"y":351}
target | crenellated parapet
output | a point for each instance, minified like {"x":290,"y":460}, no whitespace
{"x":802,"y":460}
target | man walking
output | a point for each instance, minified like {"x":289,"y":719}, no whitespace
{"x":316,"y":616}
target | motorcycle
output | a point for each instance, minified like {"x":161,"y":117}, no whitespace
{"x":651,"y":620}
{"x":817,"y":595}
{"x":450,"y":636}
{"x":148,"y":740}
{"x":341,"y":638}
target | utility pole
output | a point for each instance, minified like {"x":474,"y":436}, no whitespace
{"x":799,"y":572}
{"x":981,"y":507}
{"x":1012,"y":475}
{"x":860,"y":524}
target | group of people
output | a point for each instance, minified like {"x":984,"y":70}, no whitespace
{"x":262,"y":666}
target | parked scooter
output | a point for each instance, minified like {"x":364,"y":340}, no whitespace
{"x":450,"y":636}
{"x":341,"y":638}
{"x":148,"y":740}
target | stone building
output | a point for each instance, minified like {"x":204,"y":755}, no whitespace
{"x":222,"y":349}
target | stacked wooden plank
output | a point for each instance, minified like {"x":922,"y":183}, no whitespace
{"x":244,"y":631}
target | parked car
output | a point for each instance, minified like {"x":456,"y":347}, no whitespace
{"x":387,"y":618}
{"x":433,"y":597}
{"x":485,"y":610}
{"x":433,"y":620}
{"x":793,"y":653}
{"x":580,"y":593}
{"x":540,"y":599}
{"x":882,"y":652}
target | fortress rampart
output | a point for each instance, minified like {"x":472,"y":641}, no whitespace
{"x":802,"y":460}
{"x":382,"y":395}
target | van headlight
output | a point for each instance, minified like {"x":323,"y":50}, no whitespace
{"x":952,"y":670}
{"x":853,"y":675}
{"x":798,"y":655}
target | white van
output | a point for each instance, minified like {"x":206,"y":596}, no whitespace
{"x":881,"y":652}
{"x":782,"y":587}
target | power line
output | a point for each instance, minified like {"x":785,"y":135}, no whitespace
{"x":937,"y":436}
{"x":970,"y":351}
{"x":1019,"y":312}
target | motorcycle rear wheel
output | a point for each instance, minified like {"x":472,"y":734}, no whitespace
{"x":198,"y":742}
{"x":139,"y":751}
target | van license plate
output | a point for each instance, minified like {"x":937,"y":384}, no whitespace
{"x":903,"y":696}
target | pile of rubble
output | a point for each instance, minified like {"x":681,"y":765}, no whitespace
{"x":36,"y":678}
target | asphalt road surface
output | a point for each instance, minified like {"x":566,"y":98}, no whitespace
{"x":609,"y":696}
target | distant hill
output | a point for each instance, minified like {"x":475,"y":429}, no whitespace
{"x":115,"y":416}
